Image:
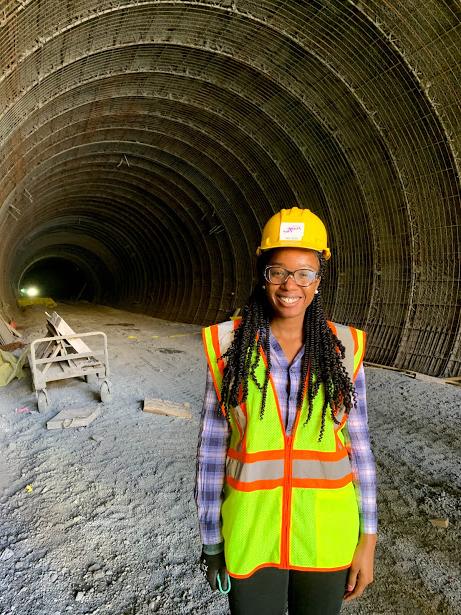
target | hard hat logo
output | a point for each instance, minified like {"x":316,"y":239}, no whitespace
{"x":291,"y":231}
{"x":295,"y":228}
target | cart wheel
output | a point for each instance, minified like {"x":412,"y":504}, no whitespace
{"x":42,"y":400}
{"x":105,"y":391}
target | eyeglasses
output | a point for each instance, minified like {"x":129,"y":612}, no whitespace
{"x":279,"y":275}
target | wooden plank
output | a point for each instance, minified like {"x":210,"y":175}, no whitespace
{"x":440,"y":522}
{"x":6,"y":335}
{"x":62,"y":328}
{"x":90,"y":360}
{"x":73,"y":417}
{"x":167,"y":408}
{"x":70,"y":372}
{"x":416,"y":375}
{"x":370,"y":364}
{"x":456,"y":383}
{"x":427,"y":378}
{"x":12,"y":346}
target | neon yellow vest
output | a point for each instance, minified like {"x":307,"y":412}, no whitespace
{"x":289,"y":500}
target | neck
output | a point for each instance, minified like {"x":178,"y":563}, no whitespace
{"x":287,"y":328}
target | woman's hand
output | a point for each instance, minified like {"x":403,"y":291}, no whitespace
{"x":361,"y":570}
{"x":211,"y":566}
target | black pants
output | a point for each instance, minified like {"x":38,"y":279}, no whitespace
{"x":268,"y":590}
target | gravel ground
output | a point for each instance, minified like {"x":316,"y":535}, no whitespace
{"x":102,"y":519}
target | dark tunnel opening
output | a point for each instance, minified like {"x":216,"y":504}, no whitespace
{"x":58,"y":278}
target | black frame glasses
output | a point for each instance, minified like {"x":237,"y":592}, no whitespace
{"x":306,"y":275}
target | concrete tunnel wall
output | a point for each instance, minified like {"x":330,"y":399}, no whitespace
{"x":150,"y":140}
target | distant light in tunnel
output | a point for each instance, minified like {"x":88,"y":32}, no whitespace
{"x":32,"y":291}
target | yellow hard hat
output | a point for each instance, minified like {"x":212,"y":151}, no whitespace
{"x":295,"y":228}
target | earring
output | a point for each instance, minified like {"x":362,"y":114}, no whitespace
{"x":263,"y":287}
{"x":316,"y":292}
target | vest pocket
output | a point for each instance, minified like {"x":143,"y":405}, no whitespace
{"x":251,"y":528}
{"x":324,"y":527}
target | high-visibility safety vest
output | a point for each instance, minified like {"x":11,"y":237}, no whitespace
{"x":289,"y":500}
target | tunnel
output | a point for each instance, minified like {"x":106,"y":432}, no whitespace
{"x":143,"y":145}
{"x":59,"y":278}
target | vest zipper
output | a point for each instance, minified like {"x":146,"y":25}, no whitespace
{"x":286,"y":514}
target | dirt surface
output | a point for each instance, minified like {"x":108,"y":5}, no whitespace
{"x":101,"y":519}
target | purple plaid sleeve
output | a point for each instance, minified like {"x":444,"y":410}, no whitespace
{"x":362,"y":460}
{"x":211,"y":462}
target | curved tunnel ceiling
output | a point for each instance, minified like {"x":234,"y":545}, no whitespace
{"x":151,"y":140}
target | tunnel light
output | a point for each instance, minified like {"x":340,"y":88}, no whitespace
{"x":32,"y":291}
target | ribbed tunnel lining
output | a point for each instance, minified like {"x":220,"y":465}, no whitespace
{"x":159,"y":136}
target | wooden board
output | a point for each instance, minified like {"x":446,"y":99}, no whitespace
{"x":12,"y":346}
{"x":167,"y":408}
{"x":62,"y":328}
{"x":7,"y":334}
{"x":440,"y":522}
{"x":417,"y":375}
{"x":73,"y":417}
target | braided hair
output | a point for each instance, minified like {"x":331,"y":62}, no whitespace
{"x":323,"y":352}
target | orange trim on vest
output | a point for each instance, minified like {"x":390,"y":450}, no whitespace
{"x":322,"y":483}
{"x":217,"y":347}
{"x":320,"y":455}
{"x":355,"y":338}
{"x":245,"y":457}
{"x":218,"y":392}
{"x":255,"y":485}
{"x":279,"y":566}
{"x":362,"y":354}
{"x":214,"y":330}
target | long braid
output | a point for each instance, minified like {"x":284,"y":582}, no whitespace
{"x":242,"y":357}
{"x":321,"y":361}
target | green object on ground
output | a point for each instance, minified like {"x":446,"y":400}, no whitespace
{"x":11,"y":366}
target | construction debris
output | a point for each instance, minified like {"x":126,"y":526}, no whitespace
{"x":456,"y":380}
{"x":73,"y":417}
{"x":28,"y":301}
{"x":8,"y":334}
{"x":11,"y":367}
{"x":440,"y":523}
{"x":63,"y":354}
{"x":167,"y":408}
{"x":12,"y":346}
{"x":23,"y":410}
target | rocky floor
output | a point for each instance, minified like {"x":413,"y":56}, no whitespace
{"x":101,"y":519}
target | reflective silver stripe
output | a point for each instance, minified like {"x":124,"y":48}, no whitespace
{"x":225,"y":336}
{"x":302,"y":468}
{"x":344,"y":334}
{"x":239,"y":416}
{"x":258,"y":470}
{"x":328,"y":470}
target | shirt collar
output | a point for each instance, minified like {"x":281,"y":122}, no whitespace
{"x":277,"y":353}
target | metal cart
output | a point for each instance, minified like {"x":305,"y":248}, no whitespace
{"x":67,"y":356}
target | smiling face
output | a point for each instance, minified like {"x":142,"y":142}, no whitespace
{"x":289,"y":300}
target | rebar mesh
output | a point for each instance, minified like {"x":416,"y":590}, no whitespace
{"x":157,"y":137}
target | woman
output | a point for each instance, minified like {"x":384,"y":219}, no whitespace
{"x":285,"y":476}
